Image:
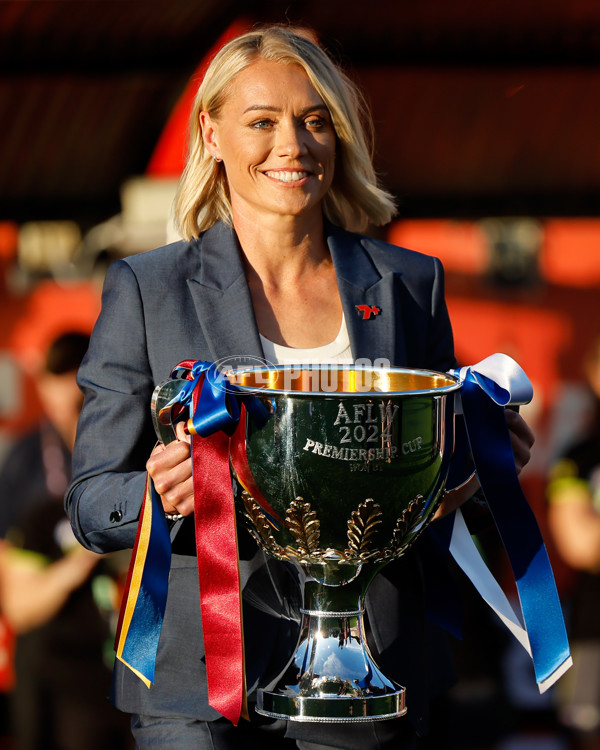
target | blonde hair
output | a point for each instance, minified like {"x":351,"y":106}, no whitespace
{"x":354,"y":199}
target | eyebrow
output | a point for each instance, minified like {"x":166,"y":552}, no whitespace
{"x":269,"y":108}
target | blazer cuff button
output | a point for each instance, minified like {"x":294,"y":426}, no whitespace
{"x":115,"y":516}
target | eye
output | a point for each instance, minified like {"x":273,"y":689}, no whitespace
{"x":262,"y":124}
{"x":315,"y":122}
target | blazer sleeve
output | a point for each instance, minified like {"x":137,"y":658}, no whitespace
{"x":115,"y":434}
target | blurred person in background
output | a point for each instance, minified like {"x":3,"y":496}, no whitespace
{"x":574,"y":518}
{"x":58,"y":598}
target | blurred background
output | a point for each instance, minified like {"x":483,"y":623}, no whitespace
{"x":487,"y":130}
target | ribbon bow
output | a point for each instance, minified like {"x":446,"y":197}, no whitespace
{"x":216,"y":406}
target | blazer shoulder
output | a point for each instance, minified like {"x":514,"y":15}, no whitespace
{"x":183,"y":255}
{"x":398,"y":257}
{"x":384,"y":255}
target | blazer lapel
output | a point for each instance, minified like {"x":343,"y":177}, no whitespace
{"x":224,"y":307}
{"x":222,"y":300}
{"x":378,"y":334}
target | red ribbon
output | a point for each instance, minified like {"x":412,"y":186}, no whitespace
{"x":218,"y":573}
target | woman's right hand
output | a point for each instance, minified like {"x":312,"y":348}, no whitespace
{"x":170,"y":467}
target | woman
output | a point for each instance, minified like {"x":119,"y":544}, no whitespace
{"x":278,"y":172}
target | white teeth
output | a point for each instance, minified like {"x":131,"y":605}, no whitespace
{"x":287,"y":176}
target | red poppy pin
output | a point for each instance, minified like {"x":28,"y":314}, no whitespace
{"x":366,"y":311}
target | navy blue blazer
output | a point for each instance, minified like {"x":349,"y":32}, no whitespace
{"x":190,"y":300}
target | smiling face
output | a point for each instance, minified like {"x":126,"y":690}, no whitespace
{"x":275,"y":137}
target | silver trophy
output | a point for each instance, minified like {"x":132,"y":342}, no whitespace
{"x":339,"y":472}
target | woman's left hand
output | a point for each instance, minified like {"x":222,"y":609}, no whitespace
{"x":522,"y":438}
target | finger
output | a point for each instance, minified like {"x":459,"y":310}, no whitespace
{"x":167,"y":457}
{"x":167,"y":477}
{"x":168,"y":507}
{"x":521,"y":450}
{"x":158,"y":448}
{"x":181,"y":434}
{"x":180,"y":498}
{"x":522,"y":455}
{"x":519,"y":427}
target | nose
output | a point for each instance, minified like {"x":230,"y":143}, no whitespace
{"x":291,"y":139}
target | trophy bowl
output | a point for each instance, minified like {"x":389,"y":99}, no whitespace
{"x":338,"y":472}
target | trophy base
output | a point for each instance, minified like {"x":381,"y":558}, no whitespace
{"x":332,"y":709}
{"x":332,"y":676}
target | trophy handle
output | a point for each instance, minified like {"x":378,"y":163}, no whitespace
{"x":162,"y":405}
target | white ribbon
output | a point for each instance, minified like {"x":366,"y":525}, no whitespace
{"x":468,"y":557}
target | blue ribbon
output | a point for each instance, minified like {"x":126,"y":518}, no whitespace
{"x":483,"y":398}
{"x":145,"y":597}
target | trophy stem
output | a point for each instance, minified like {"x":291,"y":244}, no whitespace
{"x":332,"y":676}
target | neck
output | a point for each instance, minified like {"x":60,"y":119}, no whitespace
{"x":284,"y":247}
{"x":291,"y":279}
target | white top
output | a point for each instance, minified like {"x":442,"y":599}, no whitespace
{"x":337,"y":352}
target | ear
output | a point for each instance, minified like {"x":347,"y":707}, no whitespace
{"x":209,"y":134}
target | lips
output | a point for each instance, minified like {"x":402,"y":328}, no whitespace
{"x":286,"y":175}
